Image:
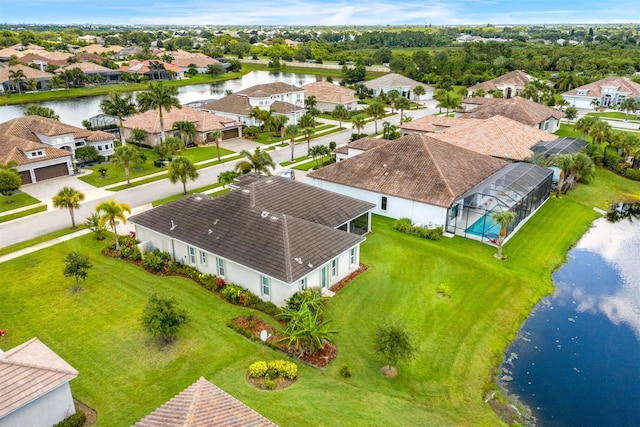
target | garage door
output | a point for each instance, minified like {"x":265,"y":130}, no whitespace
{"x":49,"y":172}
{"x":230,"y":133}
{"x":26,"y":177}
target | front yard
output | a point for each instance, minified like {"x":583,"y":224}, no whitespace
{"x":460,"y":339}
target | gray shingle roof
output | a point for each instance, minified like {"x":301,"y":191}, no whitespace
{"x":204,"y":404}
{"x":415,"y":167}
{"x":28,"y":372}
{"x":268,"y":225}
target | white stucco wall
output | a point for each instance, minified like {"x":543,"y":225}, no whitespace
{"x":248,"y":278}
{"x":45,"y":411}
{"x":579,"y":101}
{"x":396,"y":207}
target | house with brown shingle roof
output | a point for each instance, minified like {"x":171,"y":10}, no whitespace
{"x":7,"y":85}
{"x":404,"y":86}
{"x":521,"y":110}
{"x":204,"y":404}
{"x":329,"y":96}
{"x":204,"y":121}
{"x":608,"y":92}
{"x":34,"y":386}
{"x":282,"y":98}
{"x":435,"y":183}
{"x":44,"y":148}
{"x":510,"y":84}
{"x":272,"y":236}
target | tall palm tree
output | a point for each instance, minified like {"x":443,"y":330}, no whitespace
{"x":418,"y":91}
{"x":120,"y":106}
{"x":450,"y":100}
{"x":310,"y":103}
{"x":181,"y":169}
{"x":16,"y":77}
{"x":39,"y":110}
{"x":392,"y":95}
{"x":504,"y":219}
{"x":402,"y":104}
{"x":68,"y":198}
{"x":358,"y":124}
{"x":308,"y":133}
{"x":630,"y":104}
{"x":256,"y":114}
{"x":291,"y":131}
{"x":600,"y":132}
{"x":595,"y":103}
{"x":565,"y":163}
{"x":217,"y":135}
{"x":279,"y":121}
{"x":267,"y":121}
{"x":161,"y":97}
{"x":259,"y":161}
{"x":376,"y":110}
{"x":307,"y":121}
{"x":186,"y":128}
{"x":340,"y":113}
{"x":126,"y":156}
{"x":110,"y":213}
{"x":585,"y":124}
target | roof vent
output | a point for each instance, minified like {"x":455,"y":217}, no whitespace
{"x":264,"y":214}
{"x":210,"y":231}
{"x":310,"y":265}
{"x":274,"y":218}
{"x":173,"y":225}
{"x":298,"y":260}
{"x":269,"y":181}
{"x":216,"y":221}
{"x":245,"y":190}
{"x":198,"y":198}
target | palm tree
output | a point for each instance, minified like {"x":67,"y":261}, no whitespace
{"x":319,"y":152}
{"x":279,"y":121}
{"x":450,"y":100}
{"x":256,"y":114}
{"x":600,"y":132}
{"x":181,"y":169}
{"x":39,"y":110}
{"x":402,"y":104}
{"x":568,"y":81}
{"x":217,"y":137}
{"x":161,"y":97}
{"x":308,"y":133}
{"x":31,"y":84}
{"x":340,"y":113}
{"x":306,"y":121}
{"x":56,"y":82}
{"x":16,"y":77}
{"x":310,"y":103}
{"x":291,"y":131}
{"x":227,"y":178}
{"x":120,"y":106}
{"x":565,"y":163}
{"x":630,"y":104}
{"x":504,"y":219}
{"x":418,"y":91}
{"x":392,"y":95}
{"x":376,"y":110}
{"x":69,"y":198}
{"x":259,"y":161}
{"x":110,"y":212}
{"x":388,"y":130}
{"x":267,"y":120}
{"x":126,"y":156}
{"x":358,"y":124}
{"x":595,"y":103}
{"x":585,"y":124}
{"x":186,"y":128}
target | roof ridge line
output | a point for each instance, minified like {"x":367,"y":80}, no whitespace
{"x":188,"y":420}
{"x":446,"y":183}
{"x":287,"y":249}
{"x":33,"y":365}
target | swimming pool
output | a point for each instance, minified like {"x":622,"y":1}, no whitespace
{"x":485,"y":226}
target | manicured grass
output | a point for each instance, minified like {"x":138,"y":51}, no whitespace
{"x":202,"y":153}
{"x":310,"y":164}
{"x":19,"y":200}
{"x":616,"y":115}
{"x":459,"y":339}
{"x":16,"y":215}
{"x":289,"y":162}
{"x":568,"y":131}
{"x":44,"y":238}
{"x":116,"y":174}
{"x":180,"y":196}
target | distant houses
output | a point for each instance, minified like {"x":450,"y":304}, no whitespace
{"x":605,"y":93}
{"x":510,"y":84}
{"x":404,"y":85}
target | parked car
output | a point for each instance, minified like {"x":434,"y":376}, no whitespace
{"x":289,"y":174}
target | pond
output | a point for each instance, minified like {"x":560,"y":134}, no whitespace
{"x":74,"y":111}
{"x":576,"y":359}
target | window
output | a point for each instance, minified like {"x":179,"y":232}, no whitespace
{"x":334,"y":267}
{"x":266,"y":286}
{"x":192,"y":255}
{"x":99,"y":147}
{"x":303,"y":284}
{"x":203,"y":258}
{"x":454,"y":211}
{"x":352,"y":256}
{"x":220,"y":267}
{"x":383,"y":203}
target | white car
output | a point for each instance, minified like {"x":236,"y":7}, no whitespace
{"x":289,"y":174}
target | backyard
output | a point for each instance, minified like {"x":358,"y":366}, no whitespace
{"x":460,"y":338}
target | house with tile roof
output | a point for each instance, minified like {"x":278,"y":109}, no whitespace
{"x":92,"y":69}
{"x":42,"y":78}
{"x":404,"y":86}
{"x":186,"y":59}
{"x":44,"y":148}
{"x":34,"y":386}
{"x":608,"y":92}
{"x":204,"y":404}
{"x":281,"y":98}
{"x":273,"y":236}
{"x":519,"y":109}
{"x":510,"y":84}
{"x":427,"y":124}
{"x":98,"y":49}
{"x":329,"y":96}
{"x":356,"y":147}
{"x":435,"y":183}
{"x":205,"y":123}
{"x":153,"y":70}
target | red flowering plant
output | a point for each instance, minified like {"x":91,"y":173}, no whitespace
{"x":220,"y":282}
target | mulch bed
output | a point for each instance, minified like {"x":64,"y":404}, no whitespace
{"x":342,"y":283}
{"x":256,"y":325}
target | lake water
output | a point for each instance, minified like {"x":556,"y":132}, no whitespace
{"x":74,"y":111}
{"x":576,"y":360}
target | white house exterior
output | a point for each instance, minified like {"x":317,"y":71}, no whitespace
{"x":245,"y":238}
{"x":357,"y":147}
{"x":34,"y":386}
{"x":328,"y":96}
{"x":404,"y":85}
{"x":510,"y":84}
{"x":607,"y":92}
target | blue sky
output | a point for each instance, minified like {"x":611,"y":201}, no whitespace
{"x":319,"y":12}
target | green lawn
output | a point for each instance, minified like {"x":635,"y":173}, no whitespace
{"x":202,"y":153}
{"x":19,"y":200}
{"x":616,"y":115}
{"x":568,"y":131}
{"x":460,"y":339}
{"x":116,"y":174}
{"x":16,"y":215}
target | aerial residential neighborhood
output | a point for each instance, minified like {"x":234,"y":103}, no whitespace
{"x":339,"y":224}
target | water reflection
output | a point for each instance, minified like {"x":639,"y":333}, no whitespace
{"x":620,"y":211}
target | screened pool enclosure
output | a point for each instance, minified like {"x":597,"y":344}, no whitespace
{"x":519,"y":187}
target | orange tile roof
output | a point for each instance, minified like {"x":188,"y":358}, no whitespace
{"x":86,"y":67}
{"x":204,"y":404}
{"x":205,"y":121}
{"x":414,"y":167}
{"x":329,"y":92}
{"x":429,"y":124}
{"x":96,"y":48}
{"x":622,"y":83}
{"x":30,"y":73}
{"x":519,"y":109}
{"x":515,"y":78}
{"x":28,"y":372}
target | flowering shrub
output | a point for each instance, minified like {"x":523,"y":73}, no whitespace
{"x":220,"y":282}
{"x":232,"y":292}
{"x":274,"y":368}
{"x":157,"y":260}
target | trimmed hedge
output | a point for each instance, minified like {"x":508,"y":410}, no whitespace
{"x":404,"y":225}
{"x":76,"y":420}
